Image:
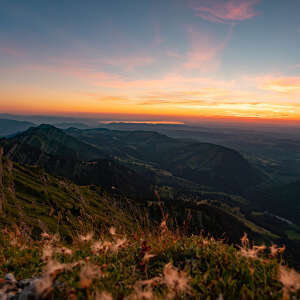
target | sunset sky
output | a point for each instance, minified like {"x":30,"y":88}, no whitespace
{"x":172,"y":59}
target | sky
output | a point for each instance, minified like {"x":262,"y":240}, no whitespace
{"x":159,"y":59}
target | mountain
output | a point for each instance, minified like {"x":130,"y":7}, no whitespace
{"x":52,"y":140}
{"x":66,"y":125}
{"x":10,"y":127}
{"x":207,"y":164}
{"x":147,"y":157}
{"x":39,"y":200}
{"x":63,"y":155}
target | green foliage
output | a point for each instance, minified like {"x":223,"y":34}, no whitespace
{"x":211,"y":267}
{"x":37,"y":201}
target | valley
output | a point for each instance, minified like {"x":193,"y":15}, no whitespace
{"x":223,"y":193}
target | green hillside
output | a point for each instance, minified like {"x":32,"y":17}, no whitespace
{"x":62,"y":155}
{"x":86,"y":243}
{"x":36,"y":201}
{"x":41,"y":201}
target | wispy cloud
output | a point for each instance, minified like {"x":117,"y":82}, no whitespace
{"x":127,"y":63}
{"x":296,"y":66}
{"x":204,"y":50}
{"x":11,"y":51}
{"x":279,"y":84}
{"x":225,"y":11}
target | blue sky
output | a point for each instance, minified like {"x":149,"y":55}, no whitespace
{"x":218,"y":58}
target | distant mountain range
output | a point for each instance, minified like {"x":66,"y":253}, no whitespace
{"x":77,"y":153}
{"x":203,"y":163}
{"x":63,"y":155}
{"x":9,"y":127}
{"x":211,"y":183}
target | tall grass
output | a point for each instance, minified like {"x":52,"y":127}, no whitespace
{"x":148,"y":263}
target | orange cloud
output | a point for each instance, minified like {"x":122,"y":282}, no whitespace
{"x":225,"y":11}
{"x":281,"y":84}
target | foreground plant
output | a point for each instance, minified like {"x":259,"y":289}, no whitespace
{"x":146,"y":265}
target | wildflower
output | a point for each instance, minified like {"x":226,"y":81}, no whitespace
{"x":147,"y":257}
{"x":54,"y":239}
{"x":273,"y":251}
{"x":104,"y":296}
{"x":53,"y":268}
{"x":151,"y":281}
{"x":45,"y":235}
{"x":174,"y":279}
{"x":260,"y":249}
{"x":112,"y":231}
{"x":66,"y":251}
{"x":205,"y":242}
{"x":86,"y":238}
{"x":75,"y":264}
{"x":47,"y":252}
{"x":13,"y":242}
{"x":282,"y":249}
{"x":289,"y":278}
{"x":118,"y":244}
{"x":250,"y":253}
{"x":107,"y":245}
{"x":163,"y":226}
{"x":245,"y":241}
{"x":87,"y":274}
{"x":97,"y":246}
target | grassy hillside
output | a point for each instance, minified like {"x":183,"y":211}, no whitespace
{"x":39,"y":201}
{"x":42,"y":202}
{"x":36,"y":201}
{"x":156,"y":264}
{"x":82,"y":243}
